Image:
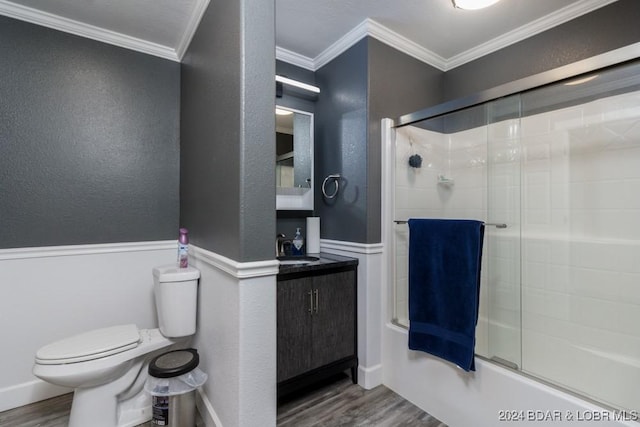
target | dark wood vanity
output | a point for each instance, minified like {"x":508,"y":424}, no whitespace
{"x":317,"y":321}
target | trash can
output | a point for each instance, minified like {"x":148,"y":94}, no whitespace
{"x":173,"y":379}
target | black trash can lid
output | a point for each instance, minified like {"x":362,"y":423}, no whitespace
{"x":174,"y":363}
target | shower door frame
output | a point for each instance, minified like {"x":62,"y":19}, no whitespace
{"x":589,"y":65}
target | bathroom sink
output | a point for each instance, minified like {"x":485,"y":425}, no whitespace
{"x":296,"y":260}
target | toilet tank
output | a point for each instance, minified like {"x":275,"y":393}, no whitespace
{"x":176,"y":294}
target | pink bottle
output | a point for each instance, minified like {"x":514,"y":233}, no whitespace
{"x":183,"y":248}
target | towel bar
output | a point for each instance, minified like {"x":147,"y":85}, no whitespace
{"x":492,"y":224}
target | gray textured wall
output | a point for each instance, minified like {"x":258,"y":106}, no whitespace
{"x":341,"y":144}
{"x":227,"y":186}
{"x":602,"y":30}
{"x":398,"y":84}
{"x":367,"y":83}
{"x":89,"y":140}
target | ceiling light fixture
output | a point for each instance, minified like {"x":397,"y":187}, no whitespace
{"x":473,"y":4}
{"x":295,"y":83}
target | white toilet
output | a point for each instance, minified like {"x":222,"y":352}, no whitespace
{"x":108,"y":367}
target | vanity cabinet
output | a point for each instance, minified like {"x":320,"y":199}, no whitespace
{"x":316,"y":329}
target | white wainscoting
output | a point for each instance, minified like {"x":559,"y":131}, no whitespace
{"x":370,"y":311}
{"x":236,"y":340}
{"x":50,"y":293}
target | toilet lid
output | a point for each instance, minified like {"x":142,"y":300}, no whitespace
{"x":90,"y":345}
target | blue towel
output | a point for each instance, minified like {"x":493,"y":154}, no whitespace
{"x":444,"y":287}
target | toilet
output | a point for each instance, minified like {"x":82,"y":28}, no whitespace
{"x":107,"y":367}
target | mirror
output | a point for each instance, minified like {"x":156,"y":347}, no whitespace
{"x":294,"y":159}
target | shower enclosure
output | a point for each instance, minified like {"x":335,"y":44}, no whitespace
{"x":559,"y":165}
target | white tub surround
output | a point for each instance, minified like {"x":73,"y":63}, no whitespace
{"x":236,"y":339}
{"x":50,"y":293}
{"x":370,"y":311}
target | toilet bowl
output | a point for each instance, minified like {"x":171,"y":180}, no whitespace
{"x":107,"y":367}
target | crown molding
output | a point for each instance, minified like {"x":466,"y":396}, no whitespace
{"x":368,"y":27}
{"x":194,"y":21}
{"x":343,"y":43}
{"x":295,"y":59}
{"x":372,"y":28}
{"x":45,"y":19}
{"x":404,"y":45}
{"x":529,"y":30}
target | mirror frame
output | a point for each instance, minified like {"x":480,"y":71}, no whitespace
{"x":300,"y":199}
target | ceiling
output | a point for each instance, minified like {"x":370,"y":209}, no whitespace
{"x":309,"y":33}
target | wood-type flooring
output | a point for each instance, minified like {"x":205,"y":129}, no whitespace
{"x":341,"y":403}
{"x":332,"y":404}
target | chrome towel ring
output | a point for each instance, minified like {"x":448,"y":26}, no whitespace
{"x":336,"y":182}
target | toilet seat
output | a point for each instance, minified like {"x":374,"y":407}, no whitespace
{"x":90,"y":345}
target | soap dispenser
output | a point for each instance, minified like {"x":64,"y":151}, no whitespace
{"x":298,"y":243}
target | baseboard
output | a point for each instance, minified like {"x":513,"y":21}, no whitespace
{"x":205,"y":409}
{"x":369,"y":378}
{"x":26,"y":393}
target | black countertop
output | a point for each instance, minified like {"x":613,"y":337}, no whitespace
{"x":325,"y":261}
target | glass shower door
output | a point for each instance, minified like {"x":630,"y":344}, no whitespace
{"x":470,"y":170}
{"x":501,"y":305}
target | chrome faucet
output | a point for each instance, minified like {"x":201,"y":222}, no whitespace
{"x":280,"y":240}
